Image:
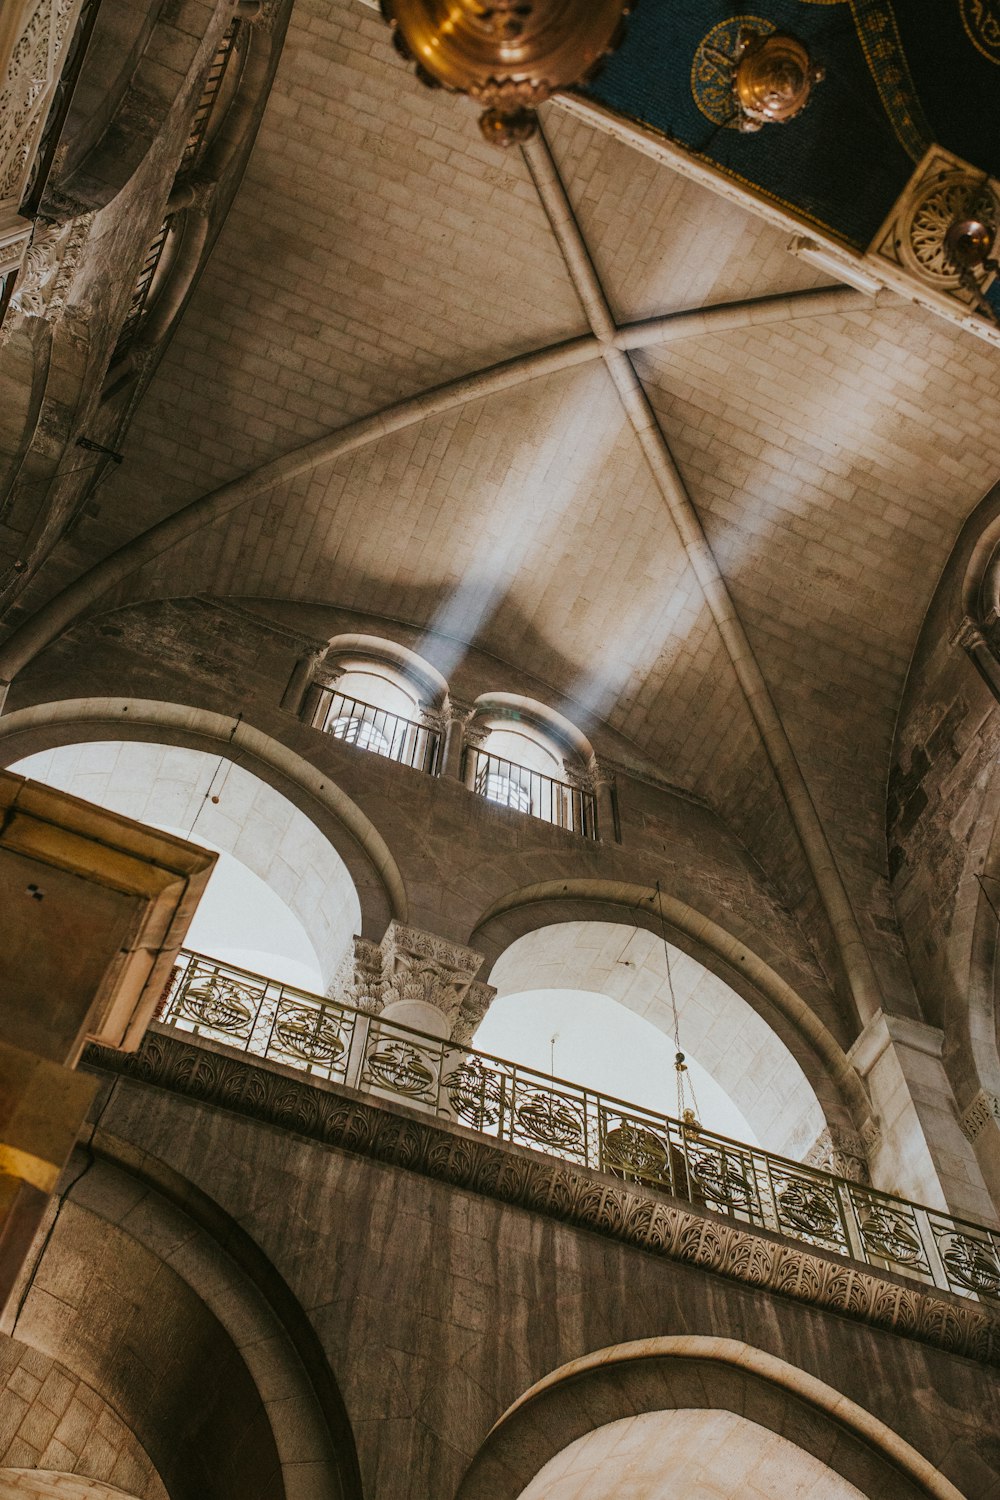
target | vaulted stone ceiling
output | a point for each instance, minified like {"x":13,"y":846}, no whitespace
{"x":378,"y":249}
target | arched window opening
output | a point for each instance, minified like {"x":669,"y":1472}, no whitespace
{"x":378,"y":706}
{"x":579,"y":981}
{"x":522,"y":762}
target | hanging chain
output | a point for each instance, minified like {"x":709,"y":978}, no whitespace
{"x":687,"y":1113}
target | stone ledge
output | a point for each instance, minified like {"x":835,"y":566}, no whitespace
{"x":586,"y":1199}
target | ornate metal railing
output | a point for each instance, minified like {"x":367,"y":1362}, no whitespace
{"x":527,"y":791}
{"x":209,"y":94}
{"x":356,"y":723}
{"x":527,"y":1108}
{"x":141,"y":290}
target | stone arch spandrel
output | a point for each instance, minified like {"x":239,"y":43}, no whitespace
{"x":369,"y":861}
{"x":689,"y":1371}
{"x":824,"y":1062}
{"x":182,"y":1335}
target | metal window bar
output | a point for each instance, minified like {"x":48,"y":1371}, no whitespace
{"x":406,"y":741}
{"x":59,"y":107}
{"x":527,"y":1108}
{"x":140,"y":292}
{"x":213,"y":82}
{"x":527,"y":791}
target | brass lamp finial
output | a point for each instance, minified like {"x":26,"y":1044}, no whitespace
{"x":773,"y":77}
{"x":507,"y":55}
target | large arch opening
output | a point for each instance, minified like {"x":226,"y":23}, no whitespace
{"x":603,"y":990}
{"x":281,"y":900}
{"x":673,"y":1455}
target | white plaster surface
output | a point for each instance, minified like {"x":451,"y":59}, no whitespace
{"x":718,"y":1028}
{"x":686,"y":1455}
{"x":173,"y":786}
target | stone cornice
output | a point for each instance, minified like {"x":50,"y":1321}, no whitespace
{"x":587,"y":1200}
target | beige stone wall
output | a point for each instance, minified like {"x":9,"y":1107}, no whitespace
{"x":52,"y":1419}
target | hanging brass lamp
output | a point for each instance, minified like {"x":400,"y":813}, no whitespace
{"x":772,"y":78}
{"x":509,"y":56}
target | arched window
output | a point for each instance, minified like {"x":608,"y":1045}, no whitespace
{"x":523,"y":756}
{"x":378,"y":697}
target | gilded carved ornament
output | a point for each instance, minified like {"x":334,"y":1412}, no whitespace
{"x":507,"y":55}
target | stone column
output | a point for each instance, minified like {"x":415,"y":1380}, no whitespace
{"x":475,"y":739}
{"x":603,"y":779}
{"x":456,"y":715}
{"x":921,"y":1151}
{"x":970,"y":637}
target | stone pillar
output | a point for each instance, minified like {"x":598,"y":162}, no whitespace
{"x":974,"y":643}
{"x":300,"y":681}
{"x":603,"y":780}
{"x":43,"y":1104}
{"x":921,"y":1151}
{"x":475,"y":739}
{"x":456,"y":716}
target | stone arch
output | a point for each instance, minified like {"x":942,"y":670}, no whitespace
{"x":370,"y":864}
{"x":219,"y":802}
{"x":145,"y":1289}
{"x":839,"y":1090}
{"x":54,"y":1484}
{"x":785,"y":1115}
{"x":414,"y":669}
{"x":685,"y":1372}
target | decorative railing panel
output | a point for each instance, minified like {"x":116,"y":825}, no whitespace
{"x":518,"y":1105}
{"x":209,"y":95}
{"x":141,"y":291}
{"x":527,"y":791}
{"x":406,"y":741}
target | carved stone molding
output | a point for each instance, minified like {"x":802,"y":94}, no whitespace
{"x":543,"y":1185}
{"x":912,"y":240}
{"x":49,"y":266}
{"x":602,"y":772}
{"x":418,"y":965}
{"x":984,"y":1108}
{"x":26,"y":88}
{"x":478,"y":999}
{"x":358,"y":980}
{"x":840,"y":1151}
{"x":969,"y":636}
{"x":411,"y":964}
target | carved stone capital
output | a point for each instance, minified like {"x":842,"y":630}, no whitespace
{"x":456,"y":711}
{"x":840,"y":1151}
{"x":984,"y":1108}
{"x":419,"y":965}
{"x":478,"y":999}
{"x":358,"y":980}
{"x":575,"y":776}
{"x":49,"y":266}
{"x":602,"y":772}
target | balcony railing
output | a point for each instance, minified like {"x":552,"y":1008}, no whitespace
{"x":210,"y":92}
{"x":59,"y":107}
{"x":527,"y":791}
{"x":141,"y":291}
{"x":406,"y":741}
{"x":527,"y":1108}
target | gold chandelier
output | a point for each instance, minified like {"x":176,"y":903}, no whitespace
{"x":509,"y":55}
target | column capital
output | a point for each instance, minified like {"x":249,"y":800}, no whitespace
{"x":984,"y":1108}
{"x":478,"y":999}
{"x":841,"y":1151}
{"x":420,"y":966}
